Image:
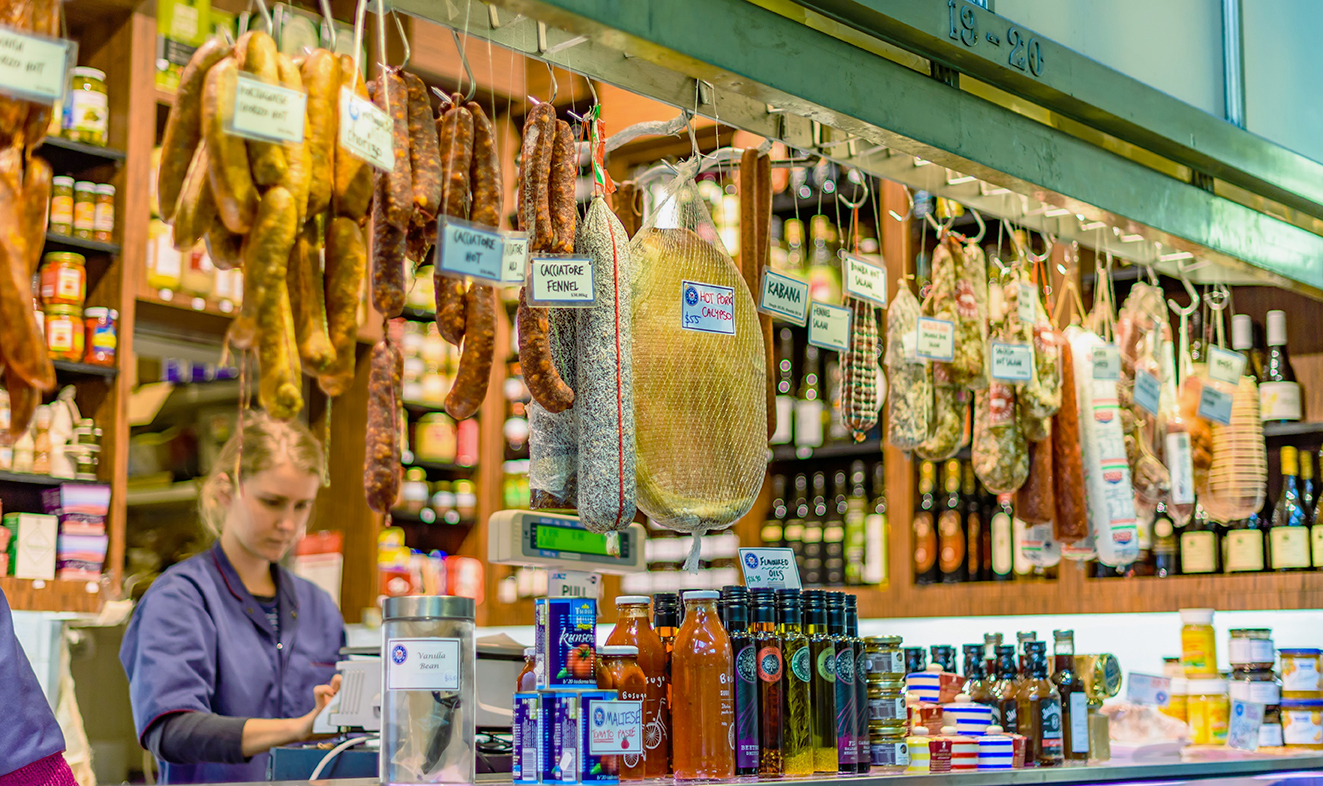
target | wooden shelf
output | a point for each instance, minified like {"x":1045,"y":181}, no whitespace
{"x":434,"y":466}
{"x":1284,"y":430}
{"x":68,"y":368}
{"x":58,"y":242}
{"x":180,"y":315}
{"x":53,"y":595}
{"x":26,"y":479}
{"x":868,"y":449}
{"x":67,"y":156}
{"x":182,"y":493}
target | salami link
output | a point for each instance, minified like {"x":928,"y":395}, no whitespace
{"x":387,"y":256}
{"x":475,"y":363}
{"x":183,"y":129}
{"x":1071,"y":522}
{"x":540,"y":374}
{"x":397,"y":193}
{"x":346,"y":262}
{"x":561,"y":199}
{"x":424,"y":157}
{"x":485,"y":171}
{"x":381,"y":466}
{"x":455,"y":129}
{"x":352,"y":188}
{"x":1035,"y":502}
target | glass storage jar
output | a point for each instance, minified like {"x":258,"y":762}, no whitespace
{"x":89,"y":107}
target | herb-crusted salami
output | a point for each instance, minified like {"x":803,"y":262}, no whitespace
{"x":909,"y":402}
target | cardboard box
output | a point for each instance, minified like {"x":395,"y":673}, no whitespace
{"x":32,"y":548}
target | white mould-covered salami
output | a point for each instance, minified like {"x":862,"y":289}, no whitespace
{"x":604,"y":395}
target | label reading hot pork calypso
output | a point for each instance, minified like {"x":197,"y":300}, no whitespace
{"x":565,"y":642}
{"x":526,"y":738}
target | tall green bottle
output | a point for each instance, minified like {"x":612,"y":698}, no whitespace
{"x":796,"y":707}
{"x":822,"y":686}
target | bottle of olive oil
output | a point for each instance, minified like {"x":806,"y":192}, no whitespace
{"x":822,"y":684}
{"x":771,"y":683}
{"x":797,"y":745}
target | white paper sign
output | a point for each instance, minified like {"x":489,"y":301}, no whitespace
{"x":1243,"y":728}
{"x":1012,"y":362}
{"x":614,"y":727}
{"x":1148,"y":689}
{"x":829,"y":326}
{"x":423,"y":664}
{"x":573,"y":584}
{"x":773,"y":568}
{"x":1181,"y":466}
{"x":865,"y":280}
{"x":707,"y":308}
{"x":1106,"y":362}
{"x":1025,"y":303}
{"x":561,"y":281}
{"x":514,"y":259}
{"x":784,"y":296}
{"x":267,"y":112}
{"x":465,"y":250}
{"x":34,"y":68}
{"x":936,"y":339}
{"x":1225,"y":365}
{"x":1148,"y":391}
{"x":366,"y":131}
{"x":1215,"y":404}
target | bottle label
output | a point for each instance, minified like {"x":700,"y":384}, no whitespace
{"x":827,"y":664}
{"x":1316,"y":543}
{"x":800,"y":664}
{"x":1009,"y":716}
{"x":842,"y":670}
{"x":1002,"y":547}
{"x":951,"y":553}
{"x":808,"y":423}
{"x":875,"y":549}
{"x":785,"y":419}
{"x":846,"y":718}
{"x":888,"y":709}
{"x":1051,"y":715}
{"x":925,"y":543}
{"x":746,"y":708}
{"x":769,"y":664}
{"x":1290,"y":547}
{"x":1279,"y":401}
{"x":1198,"y":552}
{"x":1079,"y":722}
{"x":1181,"y":466}
{"x":890,"y":754}
{"x":1244,"y":550}
{"x":1267,"y":693}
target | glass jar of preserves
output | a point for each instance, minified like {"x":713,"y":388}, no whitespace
{"x":84,"y":209}
{"x":103,"y":218}
{"x":102,"y":338}
{"x":1209,"y":710}
{"x":62,"y":206}
{"x":64,"y":333}
{"x":1300,"y":674}
{"x":1301,"y":725}
{"x":618,"y":670}
{"x":1198,"y":643}
{"x":89,"y":107}
{"x":1252,"y":648}
{"x":63,"y":279}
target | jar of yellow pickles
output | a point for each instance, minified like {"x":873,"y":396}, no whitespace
{"x":1209,"y":710}
{"x":1198,"y":643}
{"x":89,"y":107}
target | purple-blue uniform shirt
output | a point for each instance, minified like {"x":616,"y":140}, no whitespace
{"x":29,"y":732}
{"x":199,"y":642}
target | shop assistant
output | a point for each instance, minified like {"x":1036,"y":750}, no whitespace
{"x":31,"y":743}
{"x":229,"y":654}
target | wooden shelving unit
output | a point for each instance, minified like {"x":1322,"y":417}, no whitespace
{"x":53,"y":595}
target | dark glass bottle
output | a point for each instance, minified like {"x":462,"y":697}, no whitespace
{"x":774,"y":527}
{"x":833,"y":534}
{"x":863,"y":751}
{"x":1038,"y":708}
{"x":925,"y":526}
{"x":943,"y":655}
{"x":744,"y":652}
{"x":877,"y":533}
{"x":822,"y":685}
{"x":809,"y":406}
{"x":1243,"y":549}
{"x":1164,"y":542}
{"x":1005,"y":711}
{"x":856,"y":525}
{"x":977,"y":683}
{"x":916,"y":660}
{"x":1288,"y":536}
{"x":1308,"y":487}
{"x":771,"y":684}
{"x":1002,"y":527}
{"x":797,"y":739}
{"x":1200,"y":551}
{"x":666,"y":622}
{"x":1279,"y":393}
{"x":974,"y":530}
{"x":1242,"y":341}
{"x":813,"y":528}
{"x":1316,"y":530}
{"x":1074,"y":702}
{"x":793,"y":532}
{"x":951,"y":528}
{"x":1198,"y":341}
{"x":991,"y":641}
{"x":785,"y":388}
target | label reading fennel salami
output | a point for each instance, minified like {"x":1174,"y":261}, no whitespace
{"x":829,"y":326}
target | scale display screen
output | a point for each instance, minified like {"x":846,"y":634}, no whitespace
{"x":575,"y":541}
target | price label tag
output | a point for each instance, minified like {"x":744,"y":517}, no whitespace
{"x":1147,"y":689}
{"x":1148,"y":391}
{"x":1026,"y":304}
{"x":614,"y":727}
{"x":1215,"y":404}
{"x":514,"y":259}
{"x":707,"y":308}
{"x":1243,"y":728}
{"x":466,"y":250}
{"x":1106,"y":362}
{"x":829,"y":326}
{"x":784,"y":296}
{"x":936,"y":339}
{"x":267,"y":112}
{"x":561,"y":281}
{"x":1225,"y":365}
{"x":865,"y":280}
{"x":1180,"y":464}
{"x":1012,"y":362}
{"x":33,"y":67}
{"x":422,"y":664}
{"x":773,"y":568}
{"x":366,"y":131}
{"x":573,"y":584}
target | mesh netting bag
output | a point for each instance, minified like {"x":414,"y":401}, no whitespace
{"x":699,"y":372}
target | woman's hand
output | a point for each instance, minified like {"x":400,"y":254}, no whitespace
{"x":263,"y":734}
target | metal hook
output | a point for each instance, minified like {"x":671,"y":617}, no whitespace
{"x":1189,"y":290}
{"x":942,"y":229}
{"x":404,"y":39}
{"x":982,"y":226}
{"x":909,"y":213}
{"x":330,"y":21}
{"x":555,"y":87}
{"x":862,"y":199}
{"x":468,"y":71}
{"x":265,"y":14}
{"x":593,"y":89}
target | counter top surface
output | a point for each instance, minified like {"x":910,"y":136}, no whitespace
{"x":1229,"y":770}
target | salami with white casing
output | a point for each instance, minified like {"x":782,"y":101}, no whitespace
{"x":604,"y":397}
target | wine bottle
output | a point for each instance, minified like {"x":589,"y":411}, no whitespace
{"x":1164,"y":542}
{"x":785,"y":389}
{"x":925,"y":532}
{"x":1242,"y":340}
{"x":809,"y":406}
{"x":1199,"y":548}
{"x":856,"y":516}
{"x":1308,"y":489}
{"x":813,"y":530}
{"x":974,"y":534}
{"x":1279,"y":394}
{"x":1003,"y":540}
{"x":877,"y":533}
{"x":1316,"y":531}
{"x":951,"y":528}
{"x":793,"y":534}
{"x":1242,"y":545}
{"x":774,"y":527}
{"x":833,"y":534}
{"x":1288,"y":535}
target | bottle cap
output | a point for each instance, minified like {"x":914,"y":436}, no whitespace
{"x":935,"y":668}
{"x":530,"y":652}
{"x":994,"y":729}
{"x":1276,"y":328}
{"x":1197,"y":616}
{"x":1242,"y":332}
{"x":629,"y":600}
{"x":701,"y":595}
{"x":948,"y":731}
{"x":618,"y":650}
{"x":920,"y":731}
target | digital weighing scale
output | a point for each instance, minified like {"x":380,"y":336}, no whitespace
{"x":555,"y":540}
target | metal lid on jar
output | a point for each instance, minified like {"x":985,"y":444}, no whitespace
{"x":89,"y":72}
{"x":62,"y":181}
{"x":427,"y":607}
{"x":62,"y":256}
{"x":618,"y":651}
{"x":96,"y":312}
{"x":105,"y":189}
{"x":886,"y":641}
{"x":85,"y":185}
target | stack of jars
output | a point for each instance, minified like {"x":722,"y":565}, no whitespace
{"x":886,"y":702}
{"x":1302,"y":698}
{"x":1208,"y":709}
{"x":1253,"y":679}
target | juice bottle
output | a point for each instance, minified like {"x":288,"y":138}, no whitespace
{"x":735,"y":602}
{"x":633,"y":629}
{"x":822,"y":686}
{"x":666,"y":622}
{"x":1039,"y":710}
{"x":527,"y":679}
{"x":771,"y":684}
{"x":797,"y":742}
{"x":703,"y":717}
{"x":862,"y":748}
{"x":618,"y":670}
